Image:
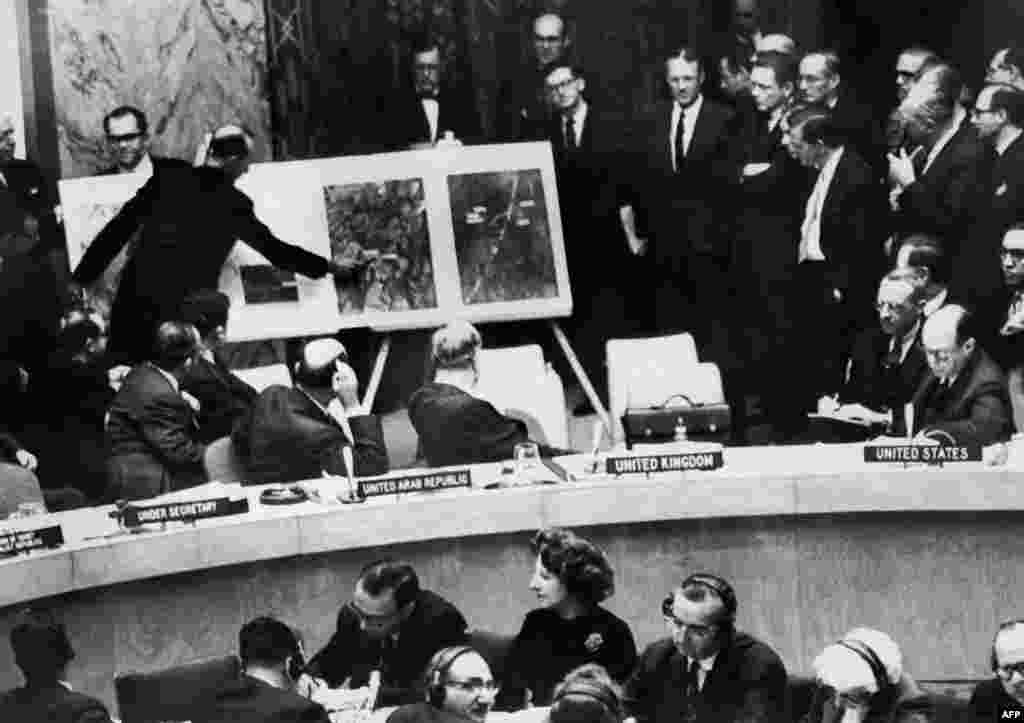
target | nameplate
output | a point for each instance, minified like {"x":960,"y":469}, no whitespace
{"x":683,"y":462}
{"x":41,"y":538}
{"x":922,"y":453}
{"x":184,"y":511}
{"x":433,"y":482}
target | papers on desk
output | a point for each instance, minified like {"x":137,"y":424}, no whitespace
{"x":836,"y":417}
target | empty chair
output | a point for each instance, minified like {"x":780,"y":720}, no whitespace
{"x":522,"y":385}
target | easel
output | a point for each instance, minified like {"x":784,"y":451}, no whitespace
{"x":563,"y":344}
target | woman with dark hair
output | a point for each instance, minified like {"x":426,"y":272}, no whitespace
{"x":571,"y":578}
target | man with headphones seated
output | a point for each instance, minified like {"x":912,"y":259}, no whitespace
{"x":272,"y":662}
{"x":861,"y":678}
{"x":587,"y":694}
{"x":1002,"y":697}
{"x":706,"y":670}
{"x":42,"y":651}
{"x":457,"y":686}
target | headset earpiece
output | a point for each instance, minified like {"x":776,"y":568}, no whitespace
{"x":438,"y":668}
{"x":870,"y":657}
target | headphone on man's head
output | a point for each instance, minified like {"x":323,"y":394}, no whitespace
{"x":437,"y":671}
{"x":592,"y":690}
{"x":722,"y":588}
{"x":870,"y":657}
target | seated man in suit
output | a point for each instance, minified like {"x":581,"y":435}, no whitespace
{"x":964,"y":399}
{"x":151,"y":424}
{"x":1001,"y":698}
{"x":42,"y":651}
{"x":264,"y":692}
{"x":455,"y":425}
{"x":885,"y":369}
{"x":861,"y":678}
{"x":587,"y":694}
{"x":707,"y":671}
{"x":297,"y":433}
{"x":391,"y":627}
{"x":458,"y":686}
{"x":223,"y":397}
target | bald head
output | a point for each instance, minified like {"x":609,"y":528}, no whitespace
{"x":776,"y":43}
{"x":1008,"y":658}
{"x":549,"y":39}
{"x":948,"y":341}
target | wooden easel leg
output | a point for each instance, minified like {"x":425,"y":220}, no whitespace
{"x":581,"y":375}
{"x":378,"y":372}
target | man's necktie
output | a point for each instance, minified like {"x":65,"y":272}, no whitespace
{"x":692,"y":691}
{"x":570,"y":134}
{"x":920,"y":161}
{"x":892,"y":358}
{"x":677,"y":142}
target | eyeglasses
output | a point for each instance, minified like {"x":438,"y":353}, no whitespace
{"x":559,"y":87}
{"x":375,"y":621}
{"x":976,"y":111}
{"x":548,"y":39}
{"x":474,"y":685}
{"x":126,"y":138}
{"x":941,"y":356}
{"x":1006,"y":671}
{"x":1015,"y":254}
{"x":676,"y":624}
{"x":888,"y":307}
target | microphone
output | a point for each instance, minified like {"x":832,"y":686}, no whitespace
{"x":354,"y":493}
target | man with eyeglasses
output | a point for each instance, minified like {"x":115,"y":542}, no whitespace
{"x":524,"y":104}
{"x":705,"y":671}
{"x":423,"y":115}
{"x":964,"y":399}
{"x":127,"y":132}
{"x":1002,"y":698}
{"x":458,"y":687}
{"x":1007,"y":66}
{"x":886,"y":367}
{"x":391,"y":626}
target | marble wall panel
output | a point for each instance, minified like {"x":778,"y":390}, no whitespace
{"x":189,"y":64}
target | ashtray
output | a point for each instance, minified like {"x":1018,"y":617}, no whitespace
{"x":283,"y":495}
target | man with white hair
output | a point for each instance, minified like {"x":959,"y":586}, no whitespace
{"x":190,"y":218}
{"x":861,"y":678}
{"x":964,"y":400}
{"x":944,"y":188}
{"x":455,"y":424}
{"x":298,"y":433}
{"x":1002,"y":697}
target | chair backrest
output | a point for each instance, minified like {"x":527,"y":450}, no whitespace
{"x":494,"y":647}
{"x":17,"y":485}
{"x":259,"y":378}
{"x":175,"y":694}
{"x":646,"y":372}
{"x":519,"y":383}
{"x":222,"y":465}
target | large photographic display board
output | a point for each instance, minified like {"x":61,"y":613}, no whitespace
{"x":462,"y":232}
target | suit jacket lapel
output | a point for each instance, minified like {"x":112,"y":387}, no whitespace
{"x":704,"y":132}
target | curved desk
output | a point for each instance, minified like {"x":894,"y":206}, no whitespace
{"x":816,"y":541}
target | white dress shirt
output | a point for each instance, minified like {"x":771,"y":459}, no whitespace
{"x":706,"y":666}
{"x":578,"y":117}
{"x":945,"y":138}
{"x":810,"y":231}
{"x":689,"y":118}
{"x":1007,"y":141}
{"x":432,"y":109}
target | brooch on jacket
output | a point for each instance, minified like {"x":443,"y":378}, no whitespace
{"x":593,"y":642}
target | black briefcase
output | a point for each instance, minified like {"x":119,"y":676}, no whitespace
{"x":655,"y":425}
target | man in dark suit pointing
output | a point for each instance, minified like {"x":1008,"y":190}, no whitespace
{"x":191,"y":218}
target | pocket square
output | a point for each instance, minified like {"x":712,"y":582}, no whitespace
{"x":1001,"y":190}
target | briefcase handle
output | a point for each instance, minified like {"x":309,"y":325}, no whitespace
{"x":664,"y":405}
